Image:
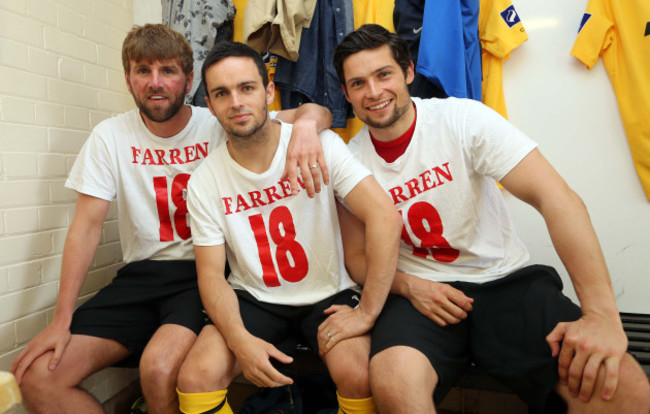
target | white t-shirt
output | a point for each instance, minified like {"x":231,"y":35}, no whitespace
{"x":148,"y":176}
{"x":281,"y":248}
{"x":456,"y":224}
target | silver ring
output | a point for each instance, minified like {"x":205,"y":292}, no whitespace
{"x":313,"y":166}
{"x":329,"y":335}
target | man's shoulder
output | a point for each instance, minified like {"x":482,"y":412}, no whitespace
{"x":122,"y":120}
{"x":211,"y":164}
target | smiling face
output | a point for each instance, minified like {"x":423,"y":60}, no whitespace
{"x":158,"y":88}
{"x":237,"y":96}
{"x":377,"y":88}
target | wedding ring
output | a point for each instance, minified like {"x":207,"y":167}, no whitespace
{"x":313,"y":166}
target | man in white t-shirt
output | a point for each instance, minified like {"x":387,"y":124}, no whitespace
{"x":151,"y":313}
{"x":288,"y":281}
{"x":463,"y":292}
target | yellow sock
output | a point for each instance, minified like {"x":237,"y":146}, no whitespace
{"x":204,"y":402}
{"x":358,"y":406}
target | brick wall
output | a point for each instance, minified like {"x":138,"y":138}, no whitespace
{"x":60,"y":75}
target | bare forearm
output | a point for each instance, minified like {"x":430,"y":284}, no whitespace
{"x":78,"y":254}
{"x":81,"y":243}
{"x":382,"y":244}
{"x":570,"y":229}
{"x":222,"y":306}
{"x":577,"y":246}
{"x":320,"y":116}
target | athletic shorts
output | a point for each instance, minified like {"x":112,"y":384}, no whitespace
{"x":287,"y":326}
{"x":504,"y":334}
{"x":143,"y":296}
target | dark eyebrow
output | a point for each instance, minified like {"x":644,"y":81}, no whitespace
{"x":381,"y":69}
{"x":240,"y":84}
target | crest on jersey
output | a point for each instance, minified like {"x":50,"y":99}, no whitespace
{"x":510,"y":16}
{"x":585,"y":19}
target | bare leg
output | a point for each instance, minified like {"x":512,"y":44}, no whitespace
{"x":159,"y":366}
{"x":57,"y":392}
{"x":347,"y":363}
{"x":209,"y":366}
{"x":402,"y":381}
{"x":632,"y":395}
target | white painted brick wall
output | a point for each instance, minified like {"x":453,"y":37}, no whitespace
{"x":60,"y":75}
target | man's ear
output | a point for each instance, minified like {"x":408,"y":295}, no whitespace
{"x":410,"y":73}
{"x":128,"y":82}
{"x":207,"y":101}
{"x":270,"y":93}
{"x":345,"y":92}
{"x":188,"y":84}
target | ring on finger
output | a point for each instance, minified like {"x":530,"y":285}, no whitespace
{"x":313,"y":166}
{"x":329,"y":335}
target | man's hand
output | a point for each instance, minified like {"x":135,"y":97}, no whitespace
{"x":52,"y":338}
{"x":253,"y":355}
{"x":343,"y":322}
{"x":440,"y":302}
{"x":305,"y":153}
{"x":583,"y":347}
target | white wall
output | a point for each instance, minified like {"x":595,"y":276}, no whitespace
{"x":572,"y":113}
{"x":60,"y":75}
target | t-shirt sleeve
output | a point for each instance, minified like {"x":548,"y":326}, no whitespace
{"x":596,"y":33}
{"x":93,"y":172}
{"x":494,"y":145}
{"x":346,"y":171}
{"x":206,"y":230}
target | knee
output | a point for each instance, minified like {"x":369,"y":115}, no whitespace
{"x":197,"y":376}
{"x":352,"y":384}
{"x":633,"y":388}
{"x":350,"y":374}
{"x":157,"y":368}
{"x":399,"y":368}
{"x":38,"y":384}
{"x":33,"y":383}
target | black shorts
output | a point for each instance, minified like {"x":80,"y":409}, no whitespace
{"x":504,"y":334}
{"x":143,"y":296}
{"x":286,"y":326}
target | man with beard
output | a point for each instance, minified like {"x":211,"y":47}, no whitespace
{"x":150,"y":314}
{"x":288,"y":280}
{"x":463,"y":291}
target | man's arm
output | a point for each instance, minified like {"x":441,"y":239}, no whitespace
{"x":597,"y":337}
{"x":382,"y":223}
{"x":81,"y":242}
{"x":221,"y":304}
{"x":439,"y":302}
{"x":305,"y":149}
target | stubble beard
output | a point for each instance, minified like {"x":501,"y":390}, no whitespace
{"x":395,"y":116}
{"x":250,"y":137}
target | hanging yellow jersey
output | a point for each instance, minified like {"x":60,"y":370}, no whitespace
{"x":501,"y":31}
{"x":619,"y":31}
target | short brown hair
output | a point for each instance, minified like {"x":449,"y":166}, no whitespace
{"x":153,"y":42}
{"x":368,"y":37}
